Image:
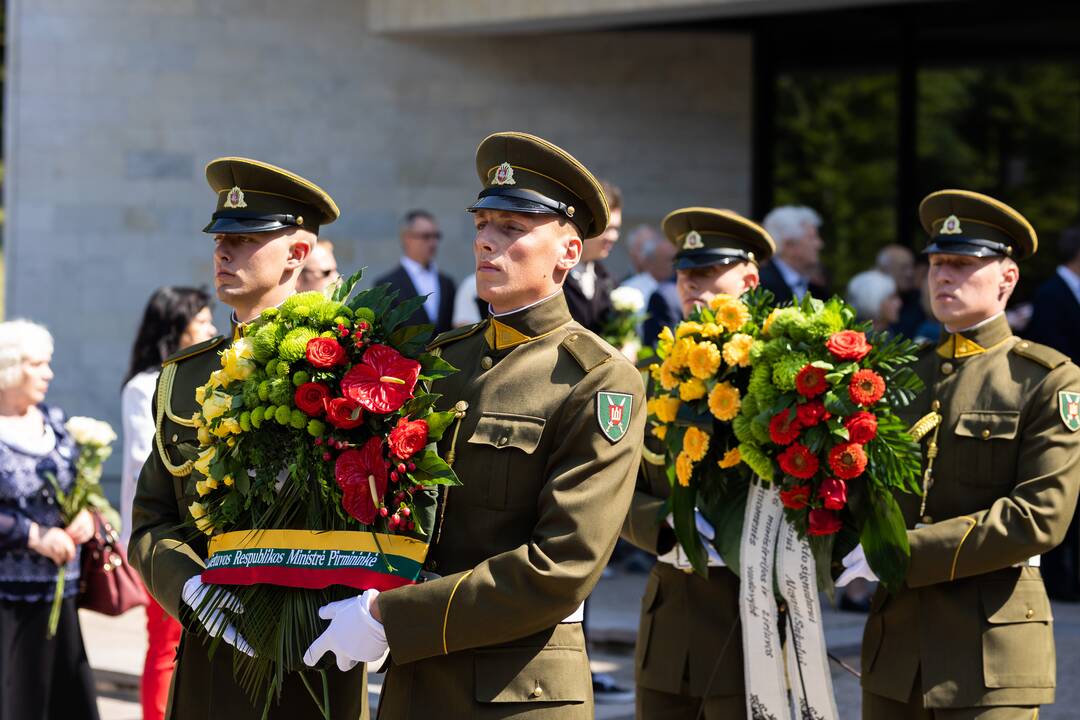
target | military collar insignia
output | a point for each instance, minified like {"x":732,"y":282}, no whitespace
{"x":1069,"y":407}
{"x":951,"y":226}
{"x":613,"y":411}
{"x":500,"y":336}
{"x":958,"y":346}
{"x":693,"y":241}
{"x":235,"y":198}
{"x":504,"y":175}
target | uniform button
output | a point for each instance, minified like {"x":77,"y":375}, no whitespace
{"x":1024,"y":345}
{"x":461,"y":406}
{"x":501,"y":442}
{"x":1029,"y":613}
{"x":485,"y":363}
{"x":946,"y":368}
{"x":537,"y":691}
{"x":175,"y":437}
{"x":927,"y":519}
{"x":985,"y":434}
{"x":936,"y":405}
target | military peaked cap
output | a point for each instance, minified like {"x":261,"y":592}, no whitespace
{"x":707,"y":236}
{"x":256,"y":197}
{"x":961,"y":222}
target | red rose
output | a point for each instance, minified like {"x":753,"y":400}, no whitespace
{"x":311,"y":398}
{"x":833,"y":493}
{"x":866,"y":388}
{"x":824,"y":522}
{"x":847,"y":460}
{"x":848,"y":345}
{"x":861,"y":427}
{"x":383,"y":381}
{"x":407,"y":438}
{"x":811,"y":413}
{"x":357,"y":473}
{"x":784,"y":428}
{"x":324,"y":353}
{"x":344,"y":413}
{"x":795,"y":498}
{"x":797,"y":461}
{"x":811,"y":382}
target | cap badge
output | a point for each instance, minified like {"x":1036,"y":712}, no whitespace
{"x":693,"y":241}
{"x":235,"y":198}
{"x":951,"y":226}
{"x":504,"y":175}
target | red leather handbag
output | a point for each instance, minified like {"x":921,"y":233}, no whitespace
{"x":107,"y":583}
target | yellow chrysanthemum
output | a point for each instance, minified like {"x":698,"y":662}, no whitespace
{"x":692,"y":389}
{"x":666,"y":408}
{"x":684,"y":467}
{"x":680,"y":351}
{"x":654,"y":371}
{"x":724,"y":401}
{"x":769,"y":320}
{"x":669,"y":377}
{"x":737,"y":350}
{"x":664,"y":340}
{"x":687,"y":328}
{"x":731,"y":459}
{"x":660,"y":431}
{"x":704,"y":360}
{"x":730,"y":312}
{"x":695,"y":443}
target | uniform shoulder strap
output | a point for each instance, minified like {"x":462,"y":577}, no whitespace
{"x":185,"y":353}
{"x":1048,"y":357}
{"x":587,"y":349}
{"x":456,"y":334}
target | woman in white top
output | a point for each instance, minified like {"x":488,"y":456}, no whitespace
{"x":175,"y":317}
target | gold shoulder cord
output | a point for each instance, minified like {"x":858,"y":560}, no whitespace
{"x":460,"y":409}
{"x":922,"y":426}
{"x":165,"y":384}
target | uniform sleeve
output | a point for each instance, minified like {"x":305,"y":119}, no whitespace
{"x":159,"y":551}
{"x":579,"y":513}
{"x":643,"y":527}
{"x":1029,"y":520}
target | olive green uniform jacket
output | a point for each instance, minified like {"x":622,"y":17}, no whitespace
{"x":521,"y":543}
{"x":685,"y":619}
{"x":973,"y":620}
{"x":165,"y":556}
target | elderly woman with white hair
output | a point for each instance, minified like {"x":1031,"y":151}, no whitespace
{"x":41,"y":678}
{"x":873,"y":295}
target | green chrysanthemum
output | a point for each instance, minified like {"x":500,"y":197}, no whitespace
{"x":749,"y":405}
{"x":325,"y":312}
{"x":300,"y":305}
{"x":245,"y":421}
{"x":250,"y":392}
{"x":294,"y":344}
{"x":760,"y":386}
{"x":316,"y":428}
{"x":740,"y":424}
{"x":758,"y":462}
{"x":283,"y":370}
{"x":365,"y":314}
{"x":283,"y":415}
{"x":281,"y":391}
{"x":269,"y":313}
{"x":786,"y":368}
{"x":300,"y":377}
{"x":265,"y":340}
{"x":298,"y":419}
{"x":759,"y":427}
{"x":257,"y":417}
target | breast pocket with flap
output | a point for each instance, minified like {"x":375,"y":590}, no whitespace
{"x":985,"y":448}
{"x":504,"y":440}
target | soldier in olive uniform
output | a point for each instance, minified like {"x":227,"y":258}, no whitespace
{"x":689,"y":647}
{"x":265,"y":225}
{"x":546,"y":443}
{"x":970,"y":634}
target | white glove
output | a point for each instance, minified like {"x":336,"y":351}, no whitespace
{"x":211,"y":611}
{"x":353,"y":636}
{"x":677,"y":556}
{"x":856,"y":566}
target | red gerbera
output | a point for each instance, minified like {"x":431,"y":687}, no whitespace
{"x":383,"y":380}
{"x":811,"y":413}
{"x":847,"y":460}
{"x":784,"y":428}
{"x":866,"y":388}
{"x":824,"y":522}
{"x":811,"y":382}
{"x":796,"y":498}
{"x":362,"y":475}
{"x":797,"y":461}
{"x":861,"y":427}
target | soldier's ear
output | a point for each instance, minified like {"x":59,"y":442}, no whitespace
{"x":301,"y":243}
{"x":571,"y":245}
{"x":1010,"y":275}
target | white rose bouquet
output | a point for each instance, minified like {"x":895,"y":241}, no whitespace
{"x":620,"y":327}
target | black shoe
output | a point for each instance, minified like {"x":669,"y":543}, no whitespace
{"x":608,"y":692}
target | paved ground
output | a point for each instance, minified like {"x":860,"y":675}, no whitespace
{"x":116,"y":647}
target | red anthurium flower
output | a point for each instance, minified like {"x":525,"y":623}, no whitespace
{"x":382,"y":381}
{"x":861,"y":427}
{"x":866,"y":387}
{"x":344,"y":413}
{"x":784,"y":428}
{"x":848,"y":345}
{"x":324,"y":353}
{"x":363,"y":475}
{"x":797,"y":461}
{"x":811,"y":413}
{"x":311,"y":398}
{"x":833,"y":493}
{"x":795,"y":498}
{"x":824,"y":522}
{"x":811,"y":382}
{"x":407,"y":438}
{"x":847,"y":460}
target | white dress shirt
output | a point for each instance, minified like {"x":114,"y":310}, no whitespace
{"x":138,"y":426}
{"x":426,"y":282}
{"x":799,"y":285}
{"x":465,"y":310}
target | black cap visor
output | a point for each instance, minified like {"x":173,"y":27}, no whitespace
{"x":529,"y":201}
{"x":972,"y":247}
{"x":691,"y":259}
{"x":231,"y":223}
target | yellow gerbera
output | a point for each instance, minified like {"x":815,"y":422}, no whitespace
{"x":666,"y":408}
{"x":660,"y":431}
{"x":654,"y":371}
{"x":680,"y":351}
{"x":737,"y":350}
{"x":695,"y":443}
{"x":669,"y":378}
{"x":692,"y":389}
{"x":689,"y":327}
{"x":664,"y":340}
{"x":720,"y":300}
{"x":730,"y":312}
{"x":731,"y":459}
{"x":724,"y":401}
{"x":711,"y":330}
{"x":704,"y":360}
{"x":684,"y":467}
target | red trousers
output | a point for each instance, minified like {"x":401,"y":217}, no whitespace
{"x":164,"y":636}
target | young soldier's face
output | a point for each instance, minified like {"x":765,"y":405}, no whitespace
{"x":248,"y":268}
{"x":697,"y":286}
{"x":966,"y":290}
{"x":521,"y":258}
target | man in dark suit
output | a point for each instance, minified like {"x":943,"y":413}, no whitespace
{"x":1054,"y":322}
{"x":588,"y":286}
{"x":417,"y":273}
{"x":798,"y":249}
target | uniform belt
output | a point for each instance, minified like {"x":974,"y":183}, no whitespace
{"x":575,"y":617}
